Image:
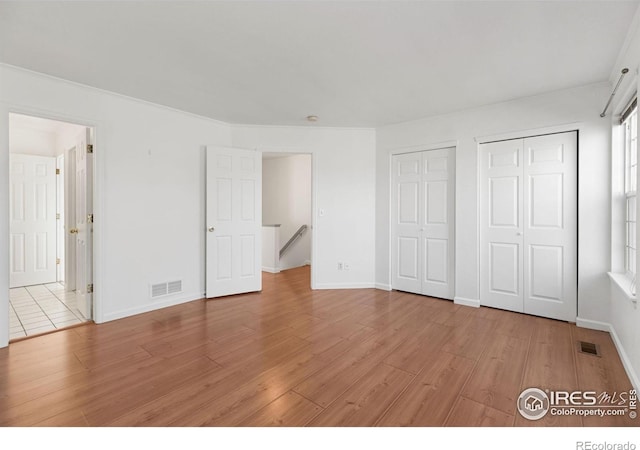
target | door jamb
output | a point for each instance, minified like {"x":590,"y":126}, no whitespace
{"x":531,"y":132}
{"x":314,"y":191}
{"x":98,"y":183}
{"x":400,"y":151}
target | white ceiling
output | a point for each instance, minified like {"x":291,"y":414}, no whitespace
{"x":351,"y":63}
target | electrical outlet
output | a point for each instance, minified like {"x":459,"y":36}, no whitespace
{"x":346,"y":266}
{"x":340,"y":266}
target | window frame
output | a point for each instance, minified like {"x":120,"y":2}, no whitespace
{"x":629,"y":123}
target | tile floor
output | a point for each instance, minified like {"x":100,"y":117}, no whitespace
{"x":41,"y":308}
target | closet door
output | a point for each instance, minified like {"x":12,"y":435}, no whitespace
{"x":550,"y":226}
{"x":437,"y":227}
{"x":423,"y":223}
{"x":405,"y":223}
{"x":501,"y":230}
{"x":528,"y":225}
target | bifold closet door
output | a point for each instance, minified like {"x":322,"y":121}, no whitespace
{"x":423,"y":215}
{"x":528,"y":225}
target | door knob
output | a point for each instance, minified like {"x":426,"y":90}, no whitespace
{"x":211,"y":229}
{"x":73,"y":231}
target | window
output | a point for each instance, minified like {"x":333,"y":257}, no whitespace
{"x":630,"y":129}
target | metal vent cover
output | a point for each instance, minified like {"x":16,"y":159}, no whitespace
{"x":589,"y":348}
{"x":158,"y":290}
{"x":173,"y":287}
{"x":166,"y":288}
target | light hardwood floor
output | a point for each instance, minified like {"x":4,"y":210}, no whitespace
{"x":290,"y":356}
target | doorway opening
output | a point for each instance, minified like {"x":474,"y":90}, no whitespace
{"x":51,"y":225}
{"x":286,"y":211}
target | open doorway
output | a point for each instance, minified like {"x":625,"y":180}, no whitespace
{"x":50,"y":212}
{"x":287,"y":212}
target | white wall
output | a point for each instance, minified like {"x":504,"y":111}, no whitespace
{"x":150,"y":179}
{"x":580,"y":106}
{"x":344,"y":187}
{"x":286,"y":200}
{"x":32,"y":142}
{"x":624,"y":322}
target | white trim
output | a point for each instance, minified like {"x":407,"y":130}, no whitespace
{"x":345,"y":286}
{"x":270,"y":269}
{"x":383,"y":286}
{"x":300,"y":126}
{"x":112,"y":93}
{"x":604,"y":326}
{"x":475,"y":303}
{"x":531,"y":132}
{"x":153,"y":306}
{"x":98,"y":183}
{"x":622,"y":282}
{"x":314,"y":197}
{"x":592,"y":324}
{"x":628,"y":367}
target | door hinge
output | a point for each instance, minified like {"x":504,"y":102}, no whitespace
{"x":89,"y":148}
{"x":57,"y":261}
{"x":89,"y":218}
{"x":89,"y":288}
{"x":57,"y":216}
{"x":57,"y":171}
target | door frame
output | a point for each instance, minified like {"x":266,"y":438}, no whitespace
{"x":531,"y":132}
{"x":314,"y":189}
{"x":415,"y":149}
{"x":98,"y":205}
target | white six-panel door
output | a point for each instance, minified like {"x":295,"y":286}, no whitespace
{"x":84,"y":227}
{"x":234,"y":221}
{"x":422,"y":227}
{"x":528,"y":225}
{"x":32,"y":216}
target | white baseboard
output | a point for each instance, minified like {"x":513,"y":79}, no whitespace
{"x":151,"y":307}
{"x":624,"y":357}
{"x":626,"y":362}
{"x":270,"y":269}
{"x":475,"y":303}
{"x":345,"y":285}
{"x":383,"y":287}
{"x":593,"y":324}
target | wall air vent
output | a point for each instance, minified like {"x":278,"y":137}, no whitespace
{"x":167,"y":288}
{"x":173,"y":287}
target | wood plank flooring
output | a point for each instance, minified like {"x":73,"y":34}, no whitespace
{"x":289,"y":356}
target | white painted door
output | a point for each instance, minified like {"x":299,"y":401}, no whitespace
{"x":551,"y":226}
{"x":528,"y":254}
{"x":60,"y":234}
{"x":234,"y":221}
{"x":501,"y":233}
{"x":84,"y":226}
{"x":438,"y":223}
{"x":423,"y":221}
{"x":70,"y":219}
{"x":405,"y":225}
{"x":32,"y":220}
